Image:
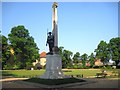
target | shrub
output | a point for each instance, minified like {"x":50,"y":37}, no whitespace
{"x":8,"y":67}
{"x":108,"y":67}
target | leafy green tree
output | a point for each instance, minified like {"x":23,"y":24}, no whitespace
{"x":24,"y":47}
{"x":66,"y":57}
{"x":84,"y":57}
{"x":5,"y":51}
{"x":61,"y":48}
{"x":102,"y":52}
{"x":114,"y":47}
{"x":76,"y":57}
{"x":92,"y":59}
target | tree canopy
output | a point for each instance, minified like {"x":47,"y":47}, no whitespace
{"x":66,"y":57}
{"x":5,"y":51}
{"x":114,"y":48}
{"x":102,"y":52}
{"x":92,"y":59}
{"x":76,"y":57}
{"x":23,"y":50}
{"x":84,"y":57}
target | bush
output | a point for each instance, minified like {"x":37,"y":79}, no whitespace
{"x":69,"y":67}
{"x":108,"y":67}
{"x":28,"y":65}
{"x":75,"y":66}
{"x":15,"y":67}
{"x":80,"y":67}
{"x":86,"y":67}
{"x":8,"y":67}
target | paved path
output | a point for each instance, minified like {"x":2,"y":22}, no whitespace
{"x":98,"y":83}
{"x":91,"y":83}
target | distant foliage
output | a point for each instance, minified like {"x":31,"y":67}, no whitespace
{"x":76,"y":57}
{"x":92,"y":60}
{"x":84,"y":57}
{"x":5,"y":52}
{"x":66,"y":57}
{"x":104,"y":52}
{"x":114,"y":48}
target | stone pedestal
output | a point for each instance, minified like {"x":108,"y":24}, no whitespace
{"x":53,"y":67}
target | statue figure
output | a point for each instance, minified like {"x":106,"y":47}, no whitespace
{"x":50,"y":42}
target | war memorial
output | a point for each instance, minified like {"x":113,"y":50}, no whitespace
{"x":54,"y":61}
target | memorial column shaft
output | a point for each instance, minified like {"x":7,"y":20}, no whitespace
{"x":55,"y":24}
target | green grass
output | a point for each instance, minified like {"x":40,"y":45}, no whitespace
{"x":54,"y":81}
{"x":22,"y":73}
{"x":84,"y":72}
{"x":113,"y":76}
{"x":34,"y":73}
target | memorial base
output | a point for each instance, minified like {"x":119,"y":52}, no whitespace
{"x":53,"y":67}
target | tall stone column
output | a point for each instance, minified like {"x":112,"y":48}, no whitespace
{"x":55,"y":24}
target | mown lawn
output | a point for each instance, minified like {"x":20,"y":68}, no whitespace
{"x":33,"y":73}
{"x":22,"y":73}
{"x":84,"y":72}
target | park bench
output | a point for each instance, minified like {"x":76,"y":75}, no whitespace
{"x":101,"y":75}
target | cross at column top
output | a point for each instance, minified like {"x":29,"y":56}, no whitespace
{"x":55,"y":5}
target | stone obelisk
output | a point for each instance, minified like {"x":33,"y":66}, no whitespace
{"x":54,"y":61}
{"x":55,"y":27}
{"x":54,"y":24}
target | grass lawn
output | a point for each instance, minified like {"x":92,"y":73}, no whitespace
{"x":84,"y":72}
{"x":113,"y":76}
{"x":55,"y":81}
{"x":22,"y":73}
{"x":33,"y":73}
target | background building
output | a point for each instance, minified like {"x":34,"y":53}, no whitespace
{"x":39,"y":64}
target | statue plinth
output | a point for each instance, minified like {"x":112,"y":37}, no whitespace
{"x":53,"y":67}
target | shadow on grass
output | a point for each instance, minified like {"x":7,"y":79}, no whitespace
{"x":4,"y":73}
{"x":9,"y":74}
{"x":55,"y":81}
{"x":16,"y":75}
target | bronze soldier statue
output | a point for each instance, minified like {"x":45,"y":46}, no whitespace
{"x":50,"y":42}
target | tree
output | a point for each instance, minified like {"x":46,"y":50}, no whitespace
{"x":84,"y":57}
{"x":114,"y":47}
{"x":66,"y":57}
{"x":24,"y":47}
{"x":102,"y":52}
{"x":91,"y":59}
{"x":5,"y":52}
{"x":61,"y":51}
{"x":76,"y":57}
